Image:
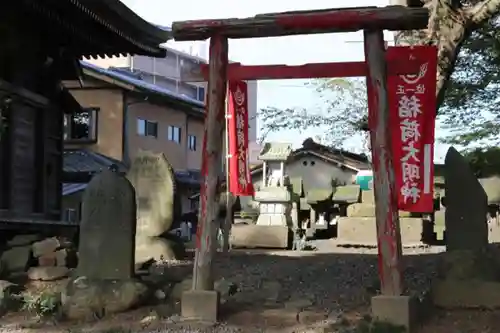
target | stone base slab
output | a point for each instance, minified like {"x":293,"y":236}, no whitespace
{"x":363,"y":230}
{"x":367,"y":210}
{"x":260,"y":236}
{"x":202,"y":305}
{"x":396,"y":310}
{"x":466,"y":294}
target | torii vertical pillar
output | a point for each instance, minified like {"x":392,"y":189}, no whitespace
{"x":202,"y":302}
{"x":391,"y":305}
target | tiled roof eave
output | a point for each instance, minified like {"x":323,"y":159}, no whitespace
{"x":157,"y":37}
{"x":139,"y":86}
{"x":141,"y":37}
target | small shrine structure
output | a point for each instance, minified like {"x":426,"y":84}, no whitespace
{"x":274,"y":196}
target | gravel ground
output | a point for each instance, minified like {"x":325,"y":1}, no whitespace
{"x":285,"y":291}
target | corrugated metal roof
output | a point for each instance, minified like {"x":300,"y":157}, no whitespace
{"x":85,"y":161}
{"x":81,"y":160}
{"x":127,"y":78}
{"x":70,"y":188}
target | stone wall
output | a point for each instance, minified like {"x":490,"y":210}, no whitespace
{"x":38,"y":258}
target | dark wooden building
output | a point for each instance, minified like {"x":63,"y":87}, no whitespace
{"x":42,"y":42}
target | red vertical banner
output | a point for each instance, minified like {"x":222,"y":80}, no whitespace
{"x":240,"y":182}
{"x":412,"y":107}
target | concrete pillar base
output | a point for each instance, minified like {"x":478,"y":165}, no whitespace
{"x":202,"y":305}
{"x":396,"y":310}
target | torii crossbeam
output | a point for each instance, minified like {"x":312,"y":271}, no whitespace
{"x":372,"y":21}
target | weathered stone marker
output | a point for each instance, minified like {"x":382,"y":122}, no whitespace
{"x":107,"y":230}
{"x":466,"y":206}
{"x":105,"y":281}
{"x":153,"y":179}
{"x":470,"y":268}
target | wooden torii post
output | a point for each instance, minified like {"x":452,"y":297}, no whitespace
{"x":372,"y":20}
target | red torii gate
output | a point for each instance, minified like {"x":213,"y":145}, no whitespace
{"x":372,"y":20}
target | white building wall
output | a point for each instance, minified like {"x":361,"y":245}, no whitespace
{"x":315,"y":173}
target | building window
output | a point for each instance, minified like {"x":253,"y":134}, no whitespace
{"x":81,"y":126}
{"x":192,"y":142}
{"x":147,"y":128}
{"x":189,"y":65}
{"x":171,"y":59}
{"x":201,"y":94}
{"x":174,"y":134}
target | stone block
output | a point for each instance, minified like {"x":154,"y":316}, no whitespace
{"x":47,"y":273}
{"x":47,"y":260}
{"x":361,"y":210}
{"x":46,"y":246}
{"x":367,"y":210}
{"x":396,"y":310}
{"x":367,"y":197}
{"x":16,"y":259}
{"x":260,"y":236}
{"x":348,"y":194}
{"x":466,"y":294}
{"x":65,"y":258}
{"x":200,"y":305}
{"x":84,"y":299}
{"x":363,"y":230}
{"x":23,"y":240}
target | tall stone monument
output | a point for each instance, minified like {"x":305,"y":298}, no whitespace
{"x":153,"y":179}
{"x":470,"y":269}
{"x":104,"y":281}
{"x":107,"y":231}
{"x":466,"y":206}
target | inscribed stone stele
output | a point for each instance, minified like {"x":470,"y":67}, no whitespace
{"x":107,"y":230}
{"x":466,"y":206}
{"x":153,"y":179}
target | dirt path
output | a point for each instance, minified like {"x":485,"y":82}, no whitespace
{"x":284,"y":291}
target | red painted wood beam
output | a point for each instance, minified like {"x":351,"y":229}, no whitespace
{"x":237,"y":71}
{"x":305,"y":22}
